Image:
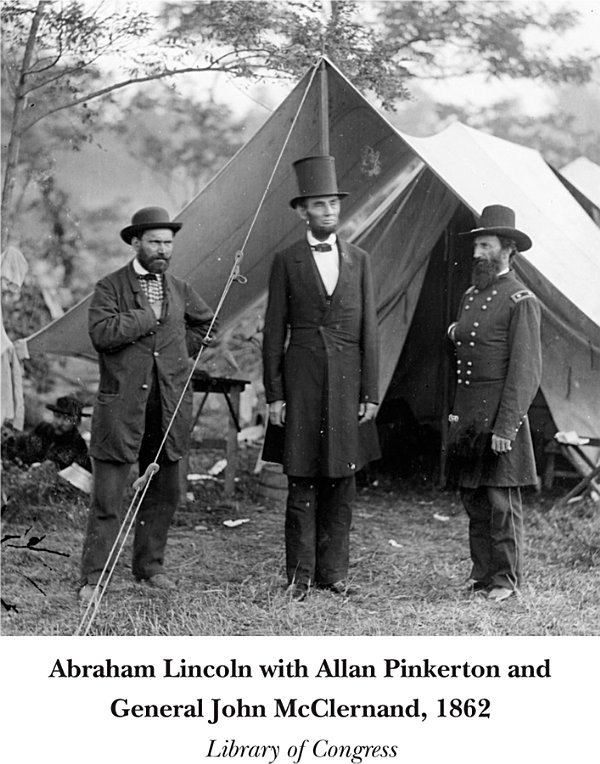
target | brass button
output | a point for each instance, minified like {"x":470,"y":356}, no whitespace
{"x":144,"y":387}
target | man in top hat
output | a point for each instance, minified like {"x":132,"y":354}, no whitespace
{"x":58,"y":441}
{"x":498,"y":371}
{"x":320,"y":359}
{"x":145,"y":324}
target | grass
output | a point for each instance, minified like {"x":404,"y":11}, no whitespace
{"x":231,"y":580}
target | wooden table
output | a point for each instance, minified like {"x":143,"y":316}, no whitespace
{"x":230,"y":389}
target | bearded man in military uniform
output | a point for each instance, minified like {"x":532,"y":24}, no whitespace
{"x":498,"y":368}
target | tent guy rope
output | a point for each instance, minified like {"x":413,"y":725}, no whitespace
{"x":142,"y":483}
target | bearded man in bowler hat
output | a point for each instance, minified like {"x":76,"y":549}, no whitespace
{"x":145,"y":324}
{"x":320,"y":360}
{"x":498,"y":368}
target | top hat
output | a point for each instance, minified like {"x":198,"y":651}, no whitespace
{"x":316,"y":177}
{"x":497,"y":220}
{"x":145,"y":219}
{"x":67,"y":405}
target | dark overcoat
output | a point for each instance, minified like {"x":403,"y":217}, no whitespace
{"x":320,"y":356}
{"x":133,"y":349}
{"x":498,"y":368}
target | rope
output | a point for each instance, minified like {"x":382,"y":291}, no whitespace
{"x":143,"y":482}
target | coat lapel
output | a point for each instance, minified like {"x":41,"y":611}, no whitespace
{"x":346,"y":267}
{"x":308,"y":273}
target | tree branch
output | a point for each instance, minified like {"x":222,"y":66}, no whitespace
{"x":119,"y":86}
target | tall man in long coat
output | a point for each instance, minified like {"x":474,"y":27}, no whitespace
{"x":498,"y":367}
{"x":320,"y":363}
{"x":145,"y":324}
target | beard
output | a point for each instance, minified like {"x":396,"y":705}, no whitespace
{"x":323,"y":231}
{"x":484,"y":273}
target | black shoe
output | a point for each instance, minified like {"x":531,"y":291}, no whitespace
{"x":89,"y":592}
{"x":297,"y":592}
{"x":161,"y":581}
{"x":339,"y":587}
{"x":500,"y":593}
{"x":478,"y":587}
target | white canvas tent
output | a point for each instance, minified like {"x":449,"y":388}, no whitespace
{"x":408,"y":199}
{"x":585,"y":176}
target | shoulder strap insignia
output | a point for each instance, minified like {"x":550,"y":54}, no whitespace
{"x":522,"y":294}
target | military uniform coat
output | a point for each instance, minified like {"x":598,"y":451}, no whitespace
{"x":135,"y":350}
{"x":320,"y":356}
{"x":498,"y":368}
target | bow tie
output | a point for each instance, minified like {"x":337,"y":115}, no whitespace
{"x":321,"y":247}
{"x":148,"y":276}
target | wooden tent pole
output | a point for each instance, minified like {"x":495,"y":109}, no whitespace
{"x":449,"y":251}
{"x":324,"y":109}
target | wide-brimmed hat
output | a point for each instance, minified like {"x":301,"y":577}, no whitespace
{"x":67,"y":405}
{"x":147,"y":218}
{"x":500,"y":221}
{"x":316,"y":177}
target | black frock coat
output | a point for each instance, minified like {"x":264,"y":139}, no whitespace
{"x":320,"y":356}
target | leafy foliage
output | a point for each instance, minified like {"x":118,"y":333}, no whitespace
{"x":23,"y":317}
{"x":451,"y":38}
{"x":202,"y":137}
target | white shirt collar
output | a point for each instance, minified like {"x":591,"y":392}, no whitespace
{"x":139,"y":268}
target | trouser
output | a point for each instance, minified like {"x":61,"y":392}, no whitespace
{"x":155,"y":512}
{"x":495,"y":534}
{"x":317,"y":529}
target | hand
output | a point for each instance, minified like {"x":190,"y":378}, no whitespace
{"x":366,"y":411}
{"x":501,"y":445}
{"x":277,"y":413}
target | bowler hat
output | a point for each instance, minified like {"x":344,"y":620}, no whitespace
{"x":497,"y":220}
{"x":67,"y":405}
{"x":316,"y":177}
{"x":147,"y":218}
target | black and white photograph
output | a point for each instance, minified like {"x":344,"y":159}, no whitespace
{"x":300,"y":378}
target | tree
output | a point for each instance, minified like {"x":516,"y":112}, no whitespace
{"x":59,"y":59}
{"x":202,"y":137}
{"x":454,"y":38}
